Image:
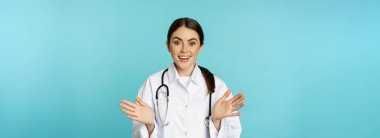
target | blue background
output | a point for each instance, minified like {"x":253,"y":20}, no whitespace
{"x":310,"y":69}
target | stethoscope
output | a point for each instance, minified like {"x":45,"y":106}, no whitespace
{"x":162,"y":121}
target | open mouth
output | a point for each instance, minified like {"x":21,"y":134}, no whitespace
{"x":184,"y":58}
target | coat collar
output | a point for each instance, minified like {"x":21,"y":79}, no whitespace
{"x":196,"y":75}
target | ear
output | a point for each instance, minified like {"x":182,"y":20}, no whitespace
{"x":168,"y":46}
{"x":200,"y":49}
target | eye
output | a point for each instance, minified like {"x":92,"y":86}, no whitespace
{"x":176,"y":42}
{"x":192,"y":43}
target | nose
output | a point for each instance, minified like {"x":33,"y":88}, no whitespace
{"x":184,"y":48}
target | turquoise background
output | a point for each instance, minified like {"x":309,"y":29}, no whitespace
{"x":309,"y":69}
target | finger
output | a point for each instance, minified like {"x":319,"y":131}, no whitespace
{"x":234,"y":114}
{"x":125,"y":106}
{"x":239,"y":99}
{"x":124,"y":101}
{"x":228,"y":92}
{"x":130,"y":113}
{"x":124,"y":110}
{"x":133,"y":117}
{"x":141,"y":102}
{"x":235,"y":97}
{"x":130,"y":104}
{"x":237,"y":107}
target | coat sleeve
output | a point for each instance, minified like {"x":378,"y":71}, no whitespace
{"x":139,"y":129}
{"x":230,"y":126}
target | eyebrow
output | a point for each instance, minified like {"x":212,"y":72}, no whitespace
{"x":187,"y":40}
{"x":192,"y":39}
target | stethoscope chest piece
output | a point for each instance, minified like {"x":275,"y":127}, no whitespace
{"x":207,"y":121}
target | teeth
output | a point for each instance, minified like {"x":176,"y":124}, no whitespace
{"x":183,"y":57}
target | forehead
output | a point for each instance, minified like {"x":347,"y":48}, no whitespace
{"x":185,"y":33}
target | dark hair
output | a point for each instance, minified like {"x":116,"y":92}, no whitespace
{"x":193,"y":25}
{"x":188,"y":23}
{"x":209,"y":78}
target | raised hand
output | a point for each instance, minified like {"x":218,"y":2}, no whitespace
{"x":226,"y":108}
{"x":140,"y":112}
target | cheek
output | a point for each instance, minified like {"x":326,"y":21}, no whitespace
{"x":196,"y":51}
{"x":173,"y":52}
{"x":171,"y":49}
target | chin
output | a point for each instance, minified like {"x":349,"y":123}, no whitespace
{"x":182,"y":65}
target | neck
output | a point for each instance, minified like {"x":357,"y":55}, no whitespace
{"x":185,"y":72}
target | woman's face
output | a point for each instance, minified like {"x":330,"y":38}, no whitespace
{"x":184,"y":47}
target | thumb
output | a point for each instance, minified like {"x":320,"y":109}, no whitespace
{"x":141,"y":102}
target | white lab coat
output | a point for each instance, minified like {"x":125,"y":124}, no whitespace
{"x":188,"y":107}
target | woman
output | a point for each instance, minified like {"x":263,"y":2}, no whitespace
{"x":185,"y":100}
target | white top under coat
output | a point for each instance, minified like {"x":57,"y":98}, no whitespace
{"x":188,"y":108}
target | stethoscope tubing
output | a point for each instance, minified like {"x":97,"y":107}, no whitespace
{"x":207,"y":119}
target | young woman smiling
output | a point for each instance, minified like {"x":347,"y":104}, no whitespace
{"x":185,"y":100}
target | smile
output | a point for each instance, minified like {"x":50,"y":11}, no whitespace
{"x":184,"y":58}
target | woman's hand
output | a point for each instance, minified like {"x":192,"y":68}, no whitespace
{"x":226,"y":108}
{"x":140,"y":112}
